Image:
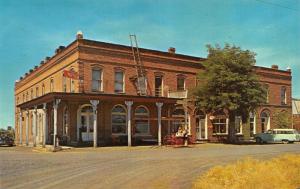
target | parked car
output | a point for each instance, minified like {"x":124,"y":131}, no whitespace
{"x":5,"y":140}
{"x":278,"y":136}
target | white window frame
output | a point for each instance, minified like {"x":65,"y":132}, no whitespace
{"x":123,"y":80}
{"x":100,"y":81}
{"x":226,"y":126}
{"x":240,"y":123}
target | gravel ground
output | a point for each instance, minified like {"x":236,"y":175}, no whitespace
{"x":122,"y":167}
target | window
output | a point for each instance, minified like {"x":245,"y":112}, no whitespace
{"x":158,"y":85}
{"x":96,"y":80}
{"x":65,"y":121}
{"x":43,"y":89}
{"x":265,"y":121}
{"x":238,"y":125}
{"x":23,"y":98}
{"x":118,"y":120}
{"x":119,"y":81}
{"x":72,"y":84}
{"x":267,"y":93}
{"x":180,"y":83}
{"x":51,"y":85}
{"x":219,"y":126}
{"x":31,"y":94}
{"x":64,"y":84}
{"x":141,"y":120}
{"x":252,"y":124}
{"x":283,"y":95}
{"x":17,"y":101}
{"x":27,"y":96}
{"x":36,"y":92}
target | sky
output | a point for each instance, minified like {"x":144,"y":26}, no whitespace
{"x":33,"y":29}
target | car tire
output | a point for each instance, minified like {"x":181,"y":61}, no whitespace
{"x":258,"y":141}
{"x":285,"y":141}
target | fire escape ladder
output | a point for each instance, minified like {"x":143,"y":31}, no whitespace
{"x":141,"y":80}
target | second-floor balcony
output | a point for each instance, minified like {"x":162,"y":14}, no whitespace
{"x":178,"y":94}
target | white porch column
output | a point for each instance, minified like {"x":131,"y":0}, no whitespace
{"x":94,"y":104}
{"x":34,"y":125}
{"x":20,"y":127}
{"x":129,"y":104}
{"x":206,"y":133}
{"x":55,"y":107}
{"x":27,"y":125}
{"x":159,"y":105}
{"x":45,"y":124}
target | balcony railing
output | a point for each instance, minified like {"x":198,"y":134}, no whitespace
{"x":178,"y":94}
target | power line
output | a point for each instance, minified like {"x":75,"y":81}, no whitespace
{"x":278,"y":5}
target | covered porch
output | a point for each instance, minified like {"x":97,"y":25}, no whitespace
{"x":97,"y":119}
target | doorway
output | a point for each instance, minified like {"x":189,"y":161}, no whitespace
{"x":201,"y":127}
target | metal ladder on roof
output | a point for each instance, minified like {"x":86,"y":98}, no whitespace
{"x":141,"y":80}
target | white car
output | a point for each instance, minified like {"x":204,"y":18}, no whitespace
{"x":278,"y":136}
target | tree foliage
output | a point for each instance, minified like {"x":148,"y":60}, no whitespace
{"x":282,"y":119}
{"x":229,"y":82}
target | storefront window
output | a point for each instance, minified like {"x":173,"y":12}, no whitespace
{"x":118,"y":120}
{"x":141,"y":121}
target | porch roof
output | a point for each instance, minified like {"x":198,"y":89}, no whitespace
{"x":83,"y":97}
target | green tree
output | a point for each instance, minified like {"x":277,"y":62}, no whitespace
{"x":230,"y":84}
{"x":282,"y":119}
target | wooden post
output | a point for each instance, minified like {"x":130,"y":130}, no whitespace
{"x":129,"y":104}
{"x":20,"y":126}
{"x":159,"y":105}
{"x":94,"y":104}
{"x":27,"y":125}
{"x":34,"y":125}
{"x":55,"y":107}
{"x":44,"y":125}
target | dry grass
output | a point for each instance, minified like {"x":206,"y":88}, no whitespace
{"x":282,"y":173}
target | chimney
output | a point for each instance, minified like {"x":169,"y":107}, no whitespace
{"x":59,"y":49}
{"x":47,"y":59}
{"x":42,"y":62}
{"x":172,"y":50}
{"x":21,"y":78}
{"x":35,"y":67}
{"x":288,"y":69}
{"x":79,"y":35}
{"x":275,"y":67}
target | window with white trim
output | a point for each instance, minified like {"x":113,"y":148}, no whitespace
{"x":118,"y":120}
{"x":51,"y":85}
{"x":141,"y":121}
{"x":283,"y":95}
{"x":219,"y":126}
{"x":238,"y":125}
{"x":96,"y":79}
{"x":119,"y":81}
{"x":180,"y":83}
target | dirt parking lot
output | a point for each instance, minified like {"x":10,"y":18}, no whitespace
{"x":122,"y":167}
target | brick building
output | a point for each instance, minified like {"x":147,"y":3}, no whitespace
{"x":87,"y":92}
{"x":296,"y":113}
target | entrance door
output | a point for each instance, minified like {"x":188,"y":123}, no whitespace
{"x":200,"y":126}
{"x":86,"y":124}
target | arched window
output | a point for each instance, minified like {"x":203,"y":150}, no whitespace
{"x":141,"y":120}
{"x":118,"y":120}
{"x":252,"y":121}
{"x":283,"y":95}
{"x":265,"y":120}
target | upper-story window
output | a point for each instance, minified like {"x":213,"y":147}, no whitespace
{"x":17,"y":101}
{"x":31,"y":94}
{"x":72,"y":83}
{"x":267,"y":93}
{"x":96,"y":79}
{"x":51,"y":85}
{"x":158,"y":85}
{"x":180,"y":83}
{"x":43,"y":89}
{"x":24,"y":98}
{"x":283,"y":95}
{"x":37,"y":92}
{"x":27,"y":96}
{"x":119,"y":81}
{"x":64,"y":83}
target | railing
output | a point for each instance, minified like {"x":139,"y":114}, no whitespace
{"x":178,"y":94}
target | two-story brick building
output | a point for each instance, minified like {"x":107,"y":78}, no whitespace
{"x":87,"y":92}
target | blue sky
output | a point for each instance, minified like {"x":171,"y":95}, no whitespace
{"x":33,"y":29}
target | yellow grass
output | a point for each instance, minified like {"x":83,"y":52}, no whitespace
{"x":282,"y":173}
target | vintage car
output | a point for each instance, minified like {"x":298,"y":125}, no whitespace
{"x":278,"y":136}
{"x":7,"y":141}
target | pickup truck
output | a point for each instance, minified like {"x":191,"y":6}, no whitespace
{"x":278,"y":136}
